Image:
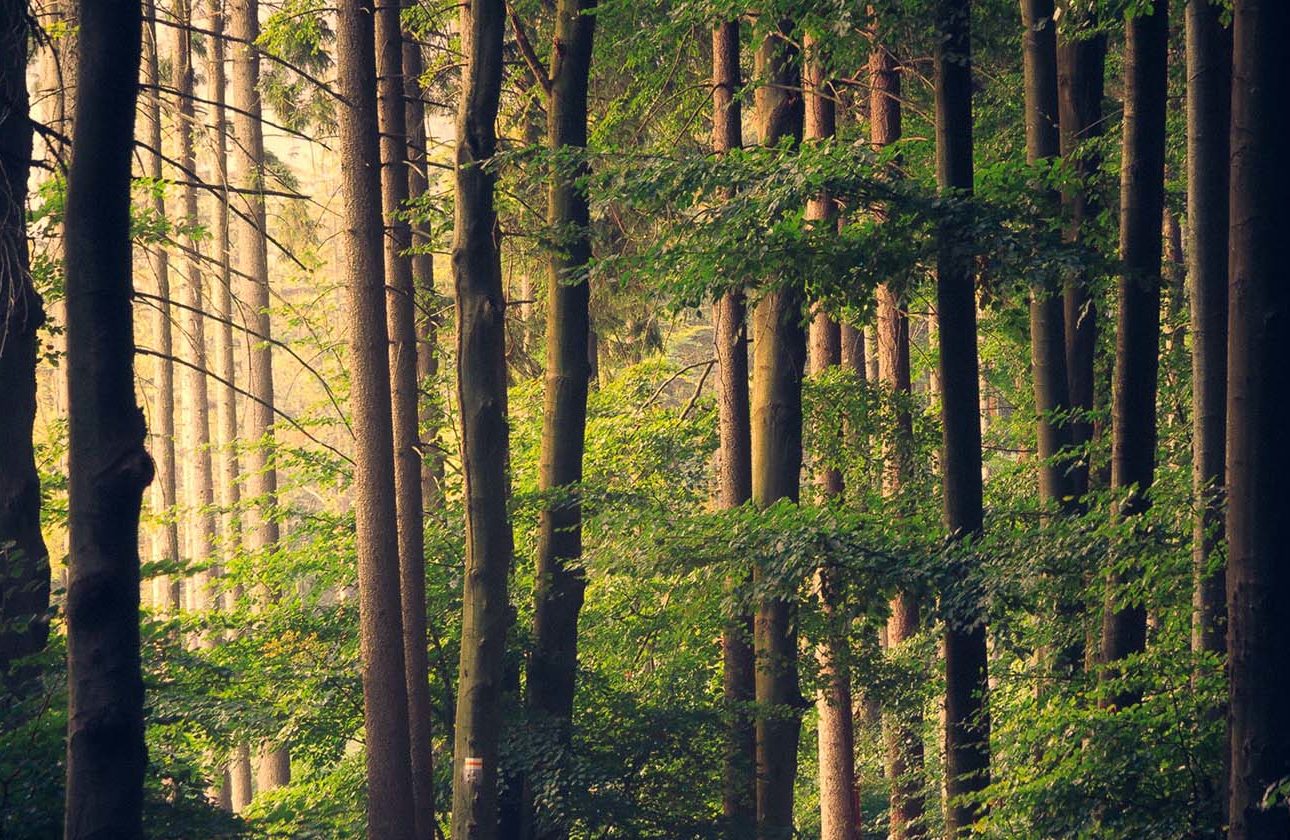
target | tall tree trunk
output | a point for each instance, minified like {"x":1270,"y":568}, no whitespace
{"x":1258,"y":450}
{"x":390,"y":806}
{"x":967,"y":722}
{"x":401,"y":302}
{"x":481,"y":392}
{"x":1137,"y":352}
{"x":247,"y":174}
{"x":1047,"y":330}
{"x":165,"y":549}
{"x":560,"y":582}
{"x":779,"y":355}
{"x":839,"y":802}
{"x":902,"y":731}
{"x":24,"y":595}
{"x":199,"y":480}
{"x":1209,"y":94}
{"x":109,"y":468}
{"x":730,"y":343}
{"x":1080,"y":79}
{"x":426,"y":300}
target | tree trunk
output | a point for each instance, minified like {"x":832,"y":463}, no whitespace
{"x":1080,"y":78}
{"x":109,"y":468}
{"x":390,"y":807}
{"x":401,"y":303}
{"x":481,"y":391}
{"x":1047,"y":330}
{"x":24,"y":596}
{"x":730,"y":343}
{"x":560,"y":583}
{"x":902,"y":732}
{"x":247,"y":173}
{"x":1258,"y":450}
{"x":165,"y":549}
{"x":199,"y":480}
{"x":1137,"y":352}
{"x":967,"y":723}
{"x":779,"y":355}
{"x":1209,"y":94}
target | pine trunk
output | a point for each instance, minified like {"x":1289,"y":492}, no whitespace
{"x":967,"y":723}
{"x":108,"y":466}
{"x":1258,"y":449}
{"x":481,"y":391}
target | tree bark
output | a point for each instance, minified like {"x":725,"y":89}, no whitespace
{"x":481,"y":390}
{"x":1209,"y":94}
{"x":967,"y":723}
{"x":1137,"y":352}
{"x":560,"y":582}
{"x":24,"y":597}
{"x":1258,"y":450}
{"x":730,"y":343}
{"x":1080,"y":79}
{"x":109,"y":468}
{"x":401,"y":304}
{"x":390,"y":807}
{"x":779,"y":356}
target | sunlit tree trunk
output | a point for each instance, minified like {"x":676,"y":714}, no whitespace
{"x":779,"y":356}
{"x":109,"y":468}
{"x":1258,"y":406}
{"x":481,"y":393}
{"x":730,"y":343}
{"x":967,"y":722}
{"x":1133,"y":444}
{"x":24,"y":592}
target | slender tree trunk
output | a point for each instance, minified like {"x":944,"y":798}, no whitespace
{"x":1137,"y":352}
{"x":967,"y":722}
{"x":853,"y":350}
{"x":560,"y":582}
{"x":779,"y":355}
{"x":247,"y":173}
{"x":902,"y":731}
{"x":1209,"y":93}
{"x":109,"y":468}
{"x":730,"y":343}
{"x":199,"y":480}
{"x":426,"y":300}
{"x":390,"y":807}
{"x":481,"y":391}
{"x":24,"y":596}
{"x":1258,"y":450}
{"x":165,"y":592}
{"x":839,"y":802}
{"x":1047,"y":330}
{"x":1080,"y":78}
{"x":401,"y":303}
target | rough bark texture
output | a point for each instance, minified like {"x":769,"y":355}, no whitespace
{"x":560,"y":582}
{"x":902,"y":731}
{"x":1133,"y":416}
{"x":401,"y":304}
{"x":1258,"y":449}
{"x":165,"y":547}
{"x":390,"y":811}
{"x":247,"y":174}
{"x":967,"y":723}
{"x":730,"y":345}
{"x":481,"y":391}
{"x":779,"y":356}
{"x":109,"y":468}
{"x":1047,"y":330}
{"x":24,"y":589}
{"x":1209,"y":95}
{"x":1080,"y":79}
